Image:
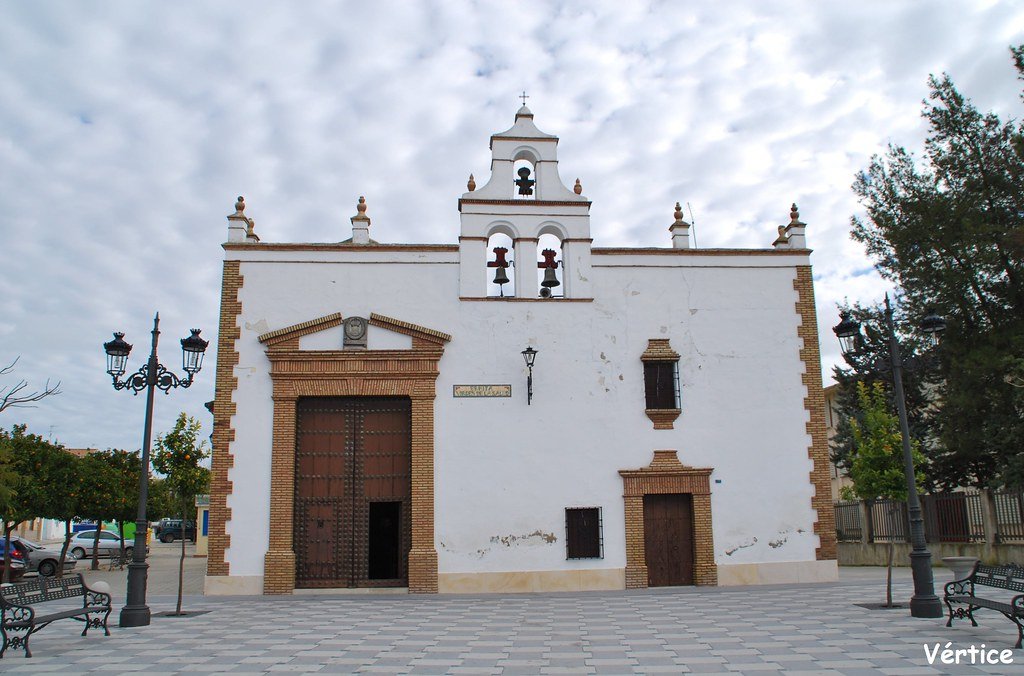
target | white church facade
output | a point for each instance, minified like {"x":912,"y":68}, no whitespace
{"x":376,"y":423}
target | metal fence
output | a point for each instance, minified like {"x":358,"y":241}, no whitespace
{"x":1009,"y":516}
{"x":888,"y":521}
{"x":953,"y":517}
{"x":848,"y":526}
{"x":948,"y":517}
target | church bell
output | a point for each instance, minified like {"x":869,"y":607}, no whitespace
{"x":550,"y":280}
{"x":500,"y":276}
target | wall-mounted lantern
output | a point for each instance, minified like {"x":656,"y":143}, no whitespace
{"x":529,"y":355}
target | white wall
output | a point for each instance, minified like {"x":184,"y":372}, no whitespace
{"x":506,"y":471}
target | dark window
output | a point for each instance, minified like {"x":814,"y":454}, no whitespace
{"x":583,"y":533}
{"x":661,"y":384}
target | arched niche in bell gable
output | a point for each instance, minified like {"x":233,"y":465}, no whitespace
{"x":524,"y":187}
{"x":550,"y":237}
{"x":501,"y":235}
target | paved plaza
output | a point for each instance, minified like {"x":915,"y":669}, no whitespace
{"x":809,"y":629}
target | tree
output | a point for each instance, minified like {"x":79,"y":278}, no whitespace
{"x":871,"y":366}
{"x":948,"y":229}
{"x":97,"y":480}
{"x":33,"y":460}
{"x":63,"y":504}
{"x":124,"y":489}
{"x":177,"y":456}
{"x":159,"y":501}
{"x":876,"y":466}
{"x":12,"y":396}
{"x":9,"y":483}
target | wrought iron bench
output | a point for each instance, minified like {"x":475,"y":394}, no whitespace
{"x":964,"y":593}
{"x":23,"y":613}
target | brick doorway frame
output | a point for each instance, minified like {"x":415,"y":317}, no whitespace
{"x":299,"y":373}
{"x":664,"y":475}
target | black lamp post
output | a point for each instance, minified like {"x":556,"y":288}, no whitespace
{"x":924,"y":603}
{"x":151,"y":377}
{"x":529,"y":355}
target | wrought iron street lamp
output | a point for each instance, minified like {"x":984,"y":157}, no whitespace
{"x":529,"y":355}
{"x":924,"y":603}
{"x":151,"y":377}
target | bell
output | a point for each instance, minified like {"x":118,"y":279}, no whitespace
{"x":500,"y":276}
{"x":550,"y":279}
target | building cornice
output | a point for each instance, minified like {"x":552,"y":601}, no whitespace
{"x":338,"y":246}
{"x":532,"y":203}
{"x":658,"y":251}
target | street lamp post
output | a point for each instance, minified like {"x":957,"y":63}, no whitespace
{"x":151,"y":377}
{"x":924,"y":603}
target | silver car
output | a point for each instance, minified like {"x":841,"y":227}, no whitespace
{"x":110,"y":543}
{"x":43,"y":559}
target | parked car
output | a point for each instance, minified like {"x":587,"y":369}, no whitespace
{"x":17,"y":562}
{"x":110,"y":543}
{"x":41,"y":558}
{"x":169,"y":530}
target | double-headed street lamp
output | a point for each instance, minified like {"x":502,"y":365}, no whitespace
{"x":151,"y":377}
{"x":924,"y":603}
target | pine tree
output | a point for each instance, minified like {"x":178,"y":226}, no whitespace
{"x":948,"y":229}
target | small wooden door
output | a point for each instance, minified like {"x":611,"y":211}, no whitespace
{"x":353,"y":517}
{"x":668,"y":539}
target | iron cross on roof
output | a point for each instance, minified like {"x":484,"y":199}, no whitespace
{"x":523,"y":96}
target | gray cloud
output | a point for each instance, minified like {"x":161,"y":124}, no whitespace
{"x":127,"y":130}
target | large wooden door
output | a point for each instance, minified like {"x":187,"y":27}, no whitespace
{"x":668,"y":539}
{"x":353,"y":520}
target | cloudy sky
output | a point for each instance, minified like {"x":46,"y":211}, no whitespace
{"x":127,"y":129}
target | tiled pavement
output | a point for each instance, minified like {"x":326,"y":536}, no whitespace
{"x":808,"y":629}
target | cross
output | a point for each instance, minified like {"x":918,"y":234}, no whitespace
{"x":523,"y":96}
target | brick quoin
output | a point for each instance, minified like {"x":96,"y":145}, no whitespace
{"x":223,"y":409}
{"x":814,"y":403}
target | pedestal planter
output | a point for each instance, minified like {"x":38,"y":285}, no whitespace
{"x":960,"y":565}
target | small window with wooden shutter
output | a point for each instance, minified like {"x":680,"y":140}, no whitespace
{"x":583,"y":533}
{"x":661,"y":383}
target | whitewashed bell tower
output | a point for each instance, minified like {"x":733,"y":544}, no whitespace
{"x":525,"y":199}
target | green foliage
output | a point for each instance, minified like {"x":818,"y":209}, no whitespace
{"x":124,"y":484}
{"x":9,"y":477}
{"x":871,"y":368}
{"x":876,"y":467}
{"x":948,"y":229}
{"x":35,"y":461}
{"x":63,"y":481}
{"x":159,"y":503}
{"x":95,"y":479}
{"x":177,"y":457}
{"x":27,"y":469}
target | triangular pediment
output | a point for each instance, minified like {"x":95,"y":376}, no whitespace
{"x":291,"y":334}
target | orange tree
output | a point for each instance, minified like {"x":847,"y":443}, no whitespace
{"x":876,"y":466}
{"x":177,"y":457}
{"x":30,"y":467}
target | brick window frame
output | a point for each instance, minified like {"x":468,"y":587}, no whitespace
{"x":657,"y":359}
